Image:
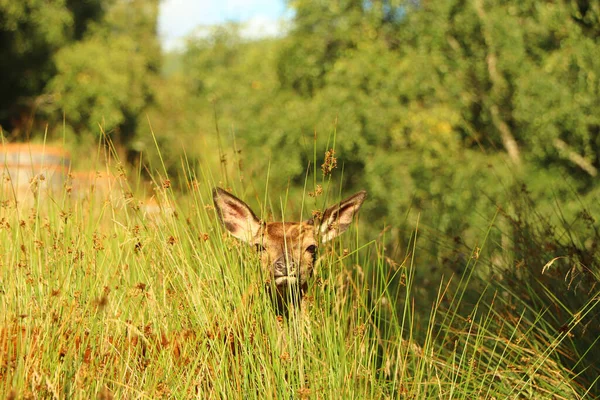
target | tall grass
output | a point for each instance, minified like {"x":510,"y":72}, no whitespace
{"x":101,"y":299}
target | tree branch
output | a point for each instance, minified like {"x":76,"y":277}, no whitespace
{"x":498,"y":86}
{"x":575,"y":158}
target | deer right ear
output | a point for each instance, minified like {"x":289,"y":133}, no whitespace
{"x":235,"y":215}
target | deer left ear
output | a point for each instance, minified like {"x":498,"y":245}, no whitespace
{"x":236,"y":216}
{"x":337,"y":219}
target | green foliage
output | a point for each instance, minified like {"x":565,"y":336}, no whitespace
{"x":30,"y":32}
{"x":90,"y":61}
{"x":86,"y":12}
{"x":47,"y":22}
{"x":136,"y":20}
{"x":99,"y":82}
{"x":435,"y":84}
{"x":105,"y":79}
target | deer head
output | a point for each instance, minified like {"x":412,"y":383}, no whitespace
{"x":287,"y":249}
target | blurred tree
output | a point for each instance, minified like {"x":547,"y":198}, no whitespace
{"x":558,"y":90}
{"x":138,"y":20}
{"x":92,"y":61}
{"x":30,"y":32}
{"x":234,"y":80}
{"x":323,"y":32}
{"x":84,"y":12}
{"x":99,"y":82}
{"x":423,"y":98}
{"x":105,"y":79}
{"x":520,"y":75}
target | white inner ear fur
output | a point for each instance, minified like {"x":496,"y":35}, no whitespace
{"x":338,"y":218}
{"x":236,"y":216}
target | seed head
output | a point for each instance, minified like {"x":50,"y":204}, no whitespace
{"x":330,"y":162}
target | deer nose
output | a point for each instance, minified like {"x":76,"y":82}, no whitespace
{"x":285,"y":267}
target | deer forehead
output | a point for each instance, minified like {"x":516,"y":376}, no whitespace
{"x":289,"y":234}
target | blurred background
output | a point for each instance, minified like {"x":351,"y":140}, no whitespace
{"x":449,"y":112}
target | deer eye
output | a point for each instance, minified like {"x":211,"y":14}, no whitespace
{"x":312,"y":249}
{"x":259,"y":248}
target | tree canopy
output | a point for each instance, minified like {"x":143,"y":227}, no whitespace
{"x":421,"y":96}
{"x":90,"y":61}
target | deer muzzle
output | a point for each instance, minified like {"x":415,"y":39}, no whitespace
{"x":285,"y":270}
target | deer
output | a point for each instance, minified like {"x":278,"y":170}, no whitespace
{"x":287,"y":250}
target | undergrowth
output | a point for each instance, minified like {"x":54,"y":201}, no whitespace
{"x":101,"y":297}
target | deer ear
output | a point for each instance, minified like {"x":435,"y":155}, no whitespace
{"x":235,"y":215}
{"x":337,"y":219}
